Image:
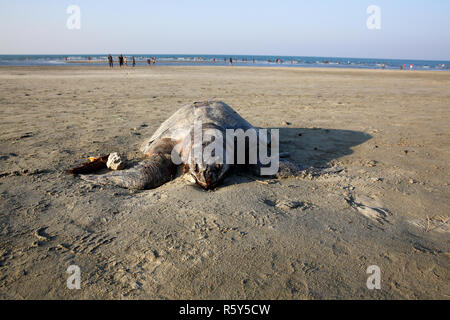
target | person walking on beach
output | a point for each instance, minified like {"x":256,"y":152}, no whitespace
{"x":133,"y":60}
{"x":149,"y":62}
{"x":110,"y":61}
{"x":125,"y":60}
{"x":231,"y":61}
{"x":121,"y":61}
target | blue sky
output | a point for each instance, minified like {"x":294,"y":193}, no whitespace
{"x":415,"y":29}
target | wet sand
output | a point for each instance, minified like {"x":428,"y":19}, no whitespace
{"x":384,"y":135}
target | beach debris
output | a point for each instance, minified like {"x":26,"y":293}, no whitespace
{"x":286,"y":123}
{"x":115,"y":161}
{"x":94,"y":164}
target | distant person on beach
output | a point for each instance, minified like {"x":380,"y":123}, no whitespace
{"x":121,"y":61}
{"x":125,"y":61}
{"x":231,"y":61}
{"x":110,"y":61}
{"x":133,"y":60}
{"x":149,"y":62}
{"x":154,"y":60}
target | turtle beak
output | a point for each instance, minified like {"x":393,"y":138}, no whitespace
{"x":207,"y":182}
{"x":206,"y":186}
{"x":210,"y":176}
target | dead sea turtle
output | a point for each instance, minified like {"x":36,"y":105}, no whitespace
{"x":172,"y":144}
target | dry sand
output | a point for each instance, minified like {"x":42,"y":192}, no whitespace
{"x":299,"y":238}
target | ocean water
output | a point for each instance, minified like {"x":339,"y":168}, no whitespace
{"x":238,"y":60}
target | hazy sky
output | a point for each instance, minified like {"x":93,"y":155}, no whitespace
{"x":416,"y":29}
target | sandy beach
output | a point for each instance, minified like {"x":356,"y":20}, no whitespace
{"x":382,"y":135}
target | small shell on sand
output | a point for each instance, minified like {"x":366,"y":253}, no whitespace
{"x":116,"y":161}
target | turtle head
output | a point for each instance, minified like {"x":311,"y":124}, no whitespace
{"x":206,"y":162}
{"x":208,"y":176}
{"x":204,"y":155}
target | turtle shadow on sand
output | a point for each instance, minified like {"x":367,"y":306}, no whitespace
{"x":316,"y":147}
{"x":312,"y":147}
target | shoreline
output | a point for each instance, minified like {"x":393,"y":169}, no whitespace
{"x":238,"y":60}
{"x":96,"y":66}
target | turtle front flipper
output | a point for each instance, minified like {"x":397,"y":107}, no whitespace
{"x":153,"y":172}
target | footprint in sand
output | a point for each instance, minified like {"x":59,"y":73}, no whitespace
{"x":289,"y":205}
{"x":41,"y":235}
{"x":370,"y":208}
{"x":433,"y":224}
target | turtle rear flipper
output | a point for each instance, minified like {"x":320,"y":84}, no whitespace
{"x":150,"y":173}
{"x":289,"y":169}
